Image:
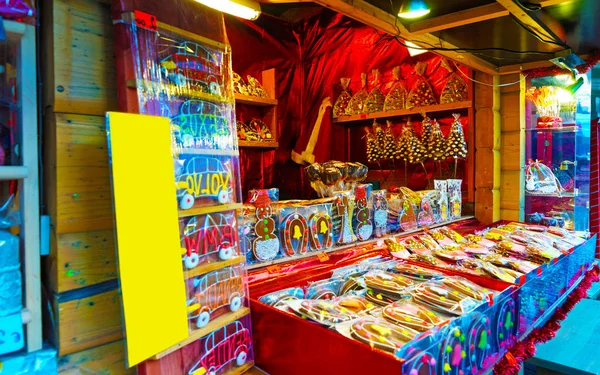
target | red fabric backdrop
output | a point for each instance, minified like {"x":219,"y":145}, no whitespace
{"x":311,"y":57}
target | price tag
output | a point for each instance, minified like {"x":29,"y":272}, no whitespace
{"x":145,"y":20}
{"x":490,"y":299}
{"x":274,"y":268}
{"x":539,"y":270}
{"x":323,"y":257}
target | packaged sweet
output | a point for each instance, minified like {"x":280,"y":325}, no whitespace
{"x":378,"y":298}
{"x":239,"y":86}
{"x":452,"y":234}
{"x":343,"y":211}
{"x":455,"y":89}
{"x":415,"y":272}
{"x":455,"y":198}
{"x":413,"y":244}
{"x":540,"y":179}
{"x":324,"y":289}
{"x":421,"y":94}
{"x":280,"y":298}
{"x":441,"y":298}
{"x":380,"y":212}
{"x":412,"y":315}
{"x":376,"y":99}
{"x":503,"y":274}
{"x":452,"y":256}
{"x":429,"y":242}
{"x":396,"y":95}
{"x":466,"y":287}
{"x":329,"y":312}
{"x":390,"y":284}
{"x":441,"y":238}
{"x":397,"y":249}
{"x":379,"y":333}
{"x":357,"y":102}
{"x":255,"y":88}
{"x":339,"y":108}
{"x":442,"y":187}
{"x":361,"y":221}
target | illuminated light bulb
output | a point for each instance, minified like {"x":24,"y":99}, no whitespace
{"x":412,"y":9}
{"x":414,"y":51}
{"x":247,"y":9}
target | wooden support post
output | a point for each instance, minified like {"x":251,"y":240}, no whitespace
{"x":487,"y":149}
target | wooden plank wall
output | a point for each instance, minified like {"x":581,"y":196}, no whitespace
{"x":79,"y":87}
{"x":487,"y":149}
{"x":512,"y":153}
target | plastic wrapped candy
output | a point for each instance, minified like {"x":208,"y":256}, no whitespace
{"x":375,"y":100}
{"x":262,"y":129}
{"x":339,"y":108}
{"x":415,"y":272}
{"x":363,"y":226}
{"x":356,"y":105}
{"x":442,"y":298}
{"x":380,"y":138}
{"x":411,"y":315}
{"x":422,"y":93}
{"x":373,"y":151}
{"x":380,"y":213}
{"x":313,"y":172}
{"x":397,"y":94}
{"x":255,"y":88}
{"x":380,"y":334}
{"x":279,"y":299}
{"x":436,"y":149}
{"x":389,"y":143}
{"x":239,"y":86}
{"x":416,"y":152}
{"x":343,"y":212}
{"x":331,"y":312}
{"x":456,"y":145}
{"x":540,"y":179}
{"x":402,"y":145}
{"x":455,"y":89}
{"x":390,"y":284}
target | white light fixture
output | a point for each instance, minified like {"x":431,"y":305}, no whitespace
{"x":414,"y":51}
{"x":411,"y":9}
{"x":247,"y":9}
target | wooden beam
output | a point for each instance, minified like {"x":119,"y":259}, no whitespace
{"x":517,"y":68}
{"x":372,"y":16}
{"x":532,"y":21}
{"x":464,"y":17}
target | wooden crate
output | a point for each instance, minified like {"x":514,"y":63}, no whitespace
{"x":87,"y":318}
{"x":77,"y":182}
{"x":79,"y":76}
{"x":81,"y":259}
{"x":105,"y":359}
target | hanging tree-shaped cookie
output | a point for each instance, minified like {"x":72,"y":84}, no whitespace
{"x":389,"y":142}
{"x":426,"y":128}
{"x":356,"y":104}
{"x":436,"y":144}
{"x":402,"y":146}
{"x":422,"y":93}
{"x":455,"y":89}
{"x":339,"y":108}
{"x":396,"y":96}
{"x":373,"y":154}
{"x":375,"y":100}
{"x":456,"y":146}
{"x":380,"y":138}
{"x":417,"y":152}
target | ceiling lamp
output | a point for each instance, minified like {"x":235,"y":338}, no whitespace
{"x":247,"y":9}
{"x":416,"y":50}
{"x":413,"y":9}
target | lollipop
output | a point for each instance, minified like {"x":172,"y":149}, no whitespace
{"x":330,"y":177}
{"x":313,"y":172}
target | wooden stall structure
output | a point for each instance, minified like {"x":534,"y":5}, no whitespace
{"x":80,"y":273}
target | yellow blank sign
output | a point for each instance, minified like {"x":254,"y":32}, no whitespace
{"x":147,"y":232}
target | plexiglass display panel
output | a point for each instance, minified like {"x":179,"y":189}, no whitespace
{"x":557,"y":176}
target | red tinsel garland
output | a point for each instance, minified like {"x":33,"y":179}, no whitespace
{"x":591,"y":61}
{"x":510,"y":364}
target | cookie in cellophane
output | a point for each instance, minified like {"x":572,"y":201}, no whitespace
{"x":397,"y":95}
{"x":422,"y":93}
{"x":375,"y":100}
{"x":339,"y":108}
{"x":357,"y":103}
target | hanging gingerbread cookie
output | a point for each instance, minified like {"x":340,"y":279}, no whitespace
{"x":265,"y":246}
{"x":421,"y":94}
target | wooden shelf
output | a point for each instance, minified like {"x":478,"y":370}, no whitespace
{"x":208,"y":267}
{"x":210,"y":209}
{"x":212,"y":326}
{"x":255,"y":100}
{"x":257,"y":144}
{"x":431,"y":109}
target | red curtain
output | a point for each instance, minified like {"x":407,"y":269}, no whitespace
{"x":311,"y":57}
